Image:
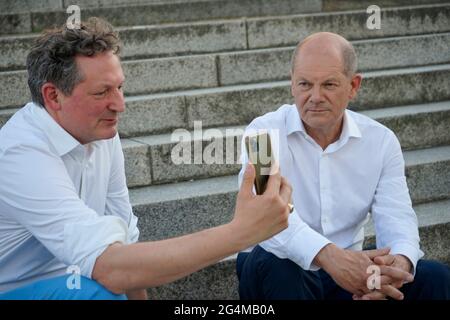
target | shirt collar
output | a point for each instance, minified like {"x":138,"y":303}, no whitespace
{"x":293,"y":121}
{"x":349,"y":128}
{"x":58,"y":137}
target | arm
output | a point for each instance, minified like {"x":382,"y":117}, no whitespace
{"x":395,"y":223}
{"x":299,"y":242}
{"x":121,"y":268}
{"x":140,"y":294}
{"x":394,"y":218}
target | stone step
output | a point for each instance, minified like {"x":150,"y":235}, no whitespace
{"x":30,"y":16}
{"x":149,"y":41}
{"x":153,"y":159}
{"x":224,"y":106}
{"x":253,"y":66}
{"x":275,"y":63}
{"x":285,"y":31}
{"x":142,"y":13}
{"x":238,"y":105}
{"x":219,"y":281}
{"x":148,"y":159}
{"x":417,"y":126}
{"x":179,"y":208}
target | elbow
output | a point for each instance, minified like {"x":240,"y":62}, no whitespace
{"x":105,"y":274}
{"x":108,"y":283}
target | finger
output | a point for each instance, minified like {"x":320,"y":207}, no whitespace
{"x":374,"y":295}
{"x":392,"y":292}
{"x":377,"y":252}
{"x":248,"y":181}
{"x":285,"y":190}
{"x":384,"y":260}
{"x":274,"y":183}
{"x":396,"y":274}
{"x":386,"y":280}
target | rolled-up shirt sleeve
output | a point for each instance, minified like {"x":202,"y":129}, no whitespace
{"x":40,"y":196}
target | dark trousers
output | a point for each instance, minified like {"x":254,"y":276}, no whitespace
{"x":263,"y":276}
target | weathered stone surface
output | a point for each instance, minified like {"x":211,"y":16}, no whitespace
{"x":427,"y":174}
{"x":19,"y":6}
{"x":152,"y":115}
{"x":286,"y":31}
{"x":417,"y":126}
{"x":214,"y":154}
{"x":151,"y":41}
{"x":235,"y":105}
{"x":15,"y":90}
{"x":137,"y":163}
{"x":168,"y":74}
{"x":15,"y":23}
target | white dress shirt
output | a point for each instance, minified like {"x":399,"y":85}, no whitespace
{"x":61,"y":203}
{"x":335,"y":189}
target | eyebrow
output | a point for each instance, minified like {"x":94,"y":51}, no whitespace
{"x":109,"y":85}
{"x":332,"y":80}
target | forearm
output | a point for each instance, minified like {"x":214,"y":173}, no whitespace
{"x":147,"y":264}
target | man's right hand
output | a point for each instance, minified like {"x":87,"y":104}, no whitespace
{"x":348,"y":268}
{"x":259,"y":217}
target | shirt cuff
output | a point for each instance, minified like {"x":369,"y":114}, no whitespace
{"x":409,"y":251}
{"x":303,"y":247}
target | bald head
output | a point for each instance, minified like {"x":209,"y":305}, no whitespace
{"x":331,"y":45}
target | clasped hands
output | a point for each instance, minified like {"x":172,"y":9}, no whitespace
{"x":353,"y":271}
{"x":395,"y":271}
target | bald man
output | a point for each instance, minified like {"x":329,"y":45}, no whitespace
{"x":342,"y":165}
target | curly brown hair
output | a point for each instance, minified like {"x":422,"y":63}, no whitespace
{"x":52,"y":57}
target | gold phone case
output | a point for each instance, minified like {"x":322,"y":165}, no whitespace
{"x":259,"y":151}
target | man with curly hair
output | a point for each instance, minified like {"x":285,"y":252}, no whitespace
{"x":63,"y":195}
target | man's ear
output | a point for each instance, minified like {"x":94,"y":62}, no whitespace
{"x":52,"y":96}
{"x":356,"y":84}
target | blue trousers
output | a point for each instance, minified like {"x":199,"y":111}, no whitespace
{"x":264,"y":276}
{"x":57,"y":289}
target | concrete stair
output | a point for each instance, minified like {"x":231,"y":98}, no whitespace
{"x":225,"y":62}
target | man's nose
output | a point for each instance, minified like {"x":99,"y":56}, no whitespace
{"x":316,"y":94}
{"x":117,"y":102}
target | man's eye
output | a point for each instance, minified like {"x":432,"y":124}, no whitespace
{"x":330,"y":85}
{"x":99,"y":94}
{"x":303,"y":84}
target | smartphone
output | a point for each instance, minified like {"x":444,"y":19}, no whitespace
{"x":259,"y":151}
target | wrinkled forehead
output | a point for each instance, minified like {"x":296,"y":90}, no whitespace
{"x":319,"y":64}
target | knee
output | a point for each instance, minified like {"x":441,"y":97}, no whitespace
{"x":435,"y":276}
{"x":265,"y":276}
{"x":433,"y":271}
